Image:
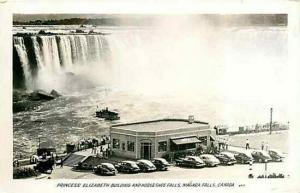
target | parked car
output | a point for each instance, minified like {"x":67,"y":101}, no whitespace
{"x":161,"y":164}
{"x":243,"y":158}
{"x":210,"y":160}
{"x":127,"y":167}
{"x":276,"y":155}
{"x":226,"y":158}
{"x":146,"y":165}
{"x":82,"y":166}
{"x":260,"y":156}
{"x":44,"y":165}
{"x":105,"y":169}
{"x":190,"y":161}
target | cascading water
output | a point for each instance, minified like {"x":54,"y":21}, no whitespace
{"x":21,"y":50}
{"x":56,"y":55}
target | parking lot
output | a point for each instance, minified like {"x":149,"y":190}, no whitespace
{"x":237,"y":171}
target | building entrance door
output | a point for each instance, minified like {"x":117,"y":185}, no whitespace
{"x":146,"y":150}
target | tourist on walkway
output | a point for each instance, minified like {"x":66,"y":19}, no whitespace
{"x":266,"y":146}
{"x":226,"y":144}
{"x":262,"y":145}
{"x":61,"y":163}
{"x":247,"y":144}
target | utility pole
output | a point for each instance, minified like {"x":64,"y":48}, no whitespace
{"x":271,"y":116}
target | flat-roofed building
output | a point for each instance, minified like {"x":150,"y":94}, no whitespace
{"x":155,"y":138}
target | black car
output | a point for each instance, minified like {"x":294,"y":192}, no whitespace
{"x":127,"y":167}
{"x":276,"y":155}
{"x":44,"y":165}
{"x":243,"y":158}
{"x":146,"y":165}
{"x":82,"y":166}
{"x":105,"y":169}
{"x":225,"y":159}
{"x":190,"y":161}
{"x":161,"y":164}
{"x":260,"y":156}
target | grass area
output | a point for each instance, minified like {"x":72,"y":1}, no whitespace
{"x":277,"y":140}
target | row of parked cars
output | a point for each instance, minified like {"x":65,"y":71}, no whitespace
{"x":204,"y":160}
{"x":142,"y":165}
{"x":230,"y":158}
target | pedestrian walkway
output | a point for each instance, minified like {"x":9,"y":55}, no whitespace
{"x":73,"y":159}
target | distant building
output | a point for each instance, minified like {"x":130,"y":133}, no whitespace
{"x":155,"y":138}
{"x":221,"y":129}
{"x":241,"y":129}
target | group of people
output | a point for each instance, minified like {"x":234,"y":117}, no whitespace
{"x":92,"y":142}
{"x":101,"y":151}
{"x":264,"y":145}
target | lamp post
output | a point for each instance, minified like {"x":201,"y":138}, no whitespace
{"x":271,"y":117}
{"x":39,"y":138}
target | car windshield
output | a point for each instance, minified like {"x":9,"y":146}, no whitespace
{"x":197,"y":159}
{"x":147,"y":162}
{"x":265,"y":153}
{"x":228,"y":154}
{"x":277,"y":152}
{"x":248,"y":154}
{"x":163,"y":161}
{"x":108,"y":165}
{"x":133,"y":164}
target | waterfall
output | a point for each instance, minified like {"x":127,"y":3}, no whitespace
{"x":56,"y":55}
{"x":22,"y":52}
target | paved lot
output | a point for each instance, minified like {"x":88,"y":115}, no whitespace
{"x":278,"y":140}
{"x":237,"y":171}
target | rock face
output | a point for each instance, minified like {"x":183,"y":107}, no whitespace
{"x":41,"y":95}
{"x":55,"y":93}
{"x":23,"y":101}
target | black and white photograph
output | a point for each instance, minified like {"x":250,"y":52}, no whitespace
{"x":150,"y":96}
{"x":121,"y":95}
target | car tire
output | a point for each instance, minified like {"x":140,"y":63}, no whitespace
{"x":260,"y":160}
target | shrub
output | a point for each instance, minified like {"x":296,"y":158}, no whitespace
{"x":24,"y":172}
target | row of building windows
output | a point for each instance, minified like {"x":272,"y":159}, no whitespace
{"x":162,"y":145}
{"x":130,"y":145}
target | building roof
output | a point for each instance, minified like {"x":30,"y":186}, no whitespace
{"x":186,"y":140}
{"x":159,"y":125}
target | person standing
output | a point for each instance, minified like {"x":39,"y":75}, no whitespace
{"x":266,"y":146}
{"x":226,"y":144}
{"x":61,"y":163}
{"x":247,"y":144}
{"x":262,"y":145}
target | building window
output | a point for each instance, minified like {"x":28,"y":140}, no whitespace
{"x":162,"y":146}
{"x":130,"y":146}
{"x":116,"y":143}
{"x":123,"y":146}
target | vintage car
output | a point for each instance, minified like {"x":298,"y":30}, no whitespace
{"x":44,"y":165}
{"x":146,"y":165}
{"x":127,"y":167}
{"x":226,"y":158}
{"x":161,"y":164}
{"x":210,"y":160}
{"x":261,"y":156}
{"x":105,"y":169}
{"x":190,"y":161}
{"x":276,"y":155}
{"x":243,"y":158}
{"x":82,"y":166}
